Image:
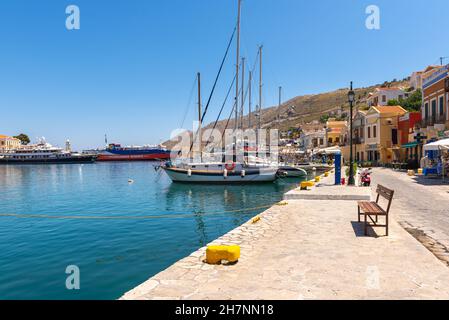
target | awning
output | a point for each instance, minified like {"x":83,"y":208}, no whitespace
{"x":331,"y":150}
{"x":410,"y":145}
{"x":437,"y":145}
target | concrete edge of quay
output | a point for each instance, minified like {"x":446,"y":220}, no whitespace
{"x":246,"y":232}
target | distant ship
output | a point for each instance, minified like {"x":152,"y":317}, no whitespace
{"x":43,"y":153}
{"x":115,"y":152}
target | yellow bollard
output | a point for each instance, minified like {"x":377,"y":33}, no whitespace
{"x":215,"y":254}
{"x":306,"y":184}
{"x":420,"y":171}
{"x":411,"y":173}
{"x":256,"y":219}
{"x":317,"y":179}
{"x":326,"y":174}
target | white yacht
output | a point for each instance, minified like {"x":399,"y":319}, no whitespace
{"x":220,"y":173}
{"x":43,"y":152}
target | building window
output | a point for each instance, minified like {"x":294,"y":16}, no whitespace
{"x":434,"y":110}
{"x":330,"y":140}
{"x":337,"y":140}
{"x":441,"y":105}
{"x":321,"y":141}
{"x":401,"y":97}
{"x":384,"y":98}
{"x":374,"y":132}
{"x":369,"y":132}
{"x":426,"y":110}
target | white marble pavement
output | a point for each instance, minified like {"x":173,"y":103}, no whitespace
{"x":307,"y":249}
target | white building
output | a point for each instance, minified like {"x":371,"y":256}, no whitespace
{"x":315,"y":139}
{"x":381,"y":96}
{"x":7,"y":142}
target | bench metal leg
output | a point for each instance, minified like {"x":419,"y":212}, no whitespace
{"x":387,"y":225}
{"x":366,"y":225}
{"x":359,"y":215}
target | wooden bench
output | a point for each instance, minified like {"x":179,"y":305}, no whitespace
{"x":371,"y":209}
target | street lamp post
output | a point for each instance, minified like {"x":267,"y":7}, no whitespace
{"x":351,"y":98}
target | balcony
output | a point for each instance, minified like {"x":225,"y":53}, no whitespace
{"x":429,"y":122}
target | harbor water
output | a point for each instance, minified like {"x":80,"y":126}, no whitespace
{"x":119,"y":223}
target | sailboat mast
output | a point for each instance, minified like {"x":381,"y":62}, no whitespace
{"x":249,"y":99}
{"x":259,"y":111}
{"x":199,"y":117}
{"x":242,"y":106}
{"x":237,"y":67}
{"x":279,"y":108}
{"x":260,"y":86}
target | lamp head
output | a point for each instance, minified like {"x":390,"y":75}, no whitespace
{"x":351,"y":96}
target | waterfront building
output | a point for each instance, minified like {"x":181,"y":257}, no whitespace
{"x":408,"y":126}
{"x":381,"y":134}
{"x":416,"y":79}
{"x":8,"y":143}
{"x":381,"y":96}
{"x":313,"y":139}
{"x":335,"y":131}
{"x":435,"y":106}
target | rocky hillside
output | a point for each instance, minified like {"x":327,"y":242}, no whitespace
{"x":304,"y":109}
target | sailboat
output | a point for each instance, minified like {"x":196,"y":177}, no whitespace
{"x":223,"y":172}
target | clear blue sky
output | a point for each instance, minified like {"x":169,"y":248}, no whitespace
{"x":129,"y":71}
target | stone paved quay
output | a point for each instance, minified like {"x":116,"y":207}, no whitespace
{"x":421,"y":206}
{"x":307,"y":249}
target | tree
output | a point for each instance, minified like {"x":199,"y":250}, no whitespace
{"x":412,"y":103}
{"x":324,"y":118}
{"x":23,"y":138}
{"x":394,"y":102}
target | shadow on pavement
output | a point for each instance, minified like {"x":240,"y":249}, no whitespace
{"x":359,"y":232}
{"x":431,"y":181}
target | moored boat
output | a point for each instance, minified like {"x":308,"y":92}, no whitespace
{"x":115,"y":152}
{"x":220,"y":173}
{"x":43,"y":153}
{"x":290,"y":171}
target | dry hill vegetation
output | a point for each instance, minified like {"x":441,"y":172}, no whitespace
{"x":305,"y":109}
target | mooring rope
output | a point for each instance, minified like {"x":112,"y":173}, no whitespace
{"x":174,"y":215}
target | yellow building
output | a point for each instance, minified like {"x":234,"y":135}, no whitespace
{"x":335,"y":131}
{"x":7,"y":142}
{"x":381,"y":134}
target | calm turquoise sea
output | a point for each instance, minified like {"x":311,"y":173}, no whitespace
{"x":113,"y":255}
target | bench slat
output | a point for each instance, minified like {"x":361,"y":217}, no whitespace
{"x":371,"y":207}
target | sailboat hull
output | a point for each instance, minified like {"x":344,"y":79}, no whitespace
{"x":218,"y":177}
